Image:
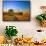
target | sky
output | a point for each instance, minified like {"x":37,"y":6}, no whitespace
{"x":18,"y":5}
{"x":16,"y":0}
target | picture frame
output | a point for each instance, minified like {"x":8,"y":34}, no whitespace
{"x":16,"y":10}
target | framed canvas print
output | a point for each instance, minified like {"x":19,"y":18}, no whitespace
{"x":16,"y":10}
